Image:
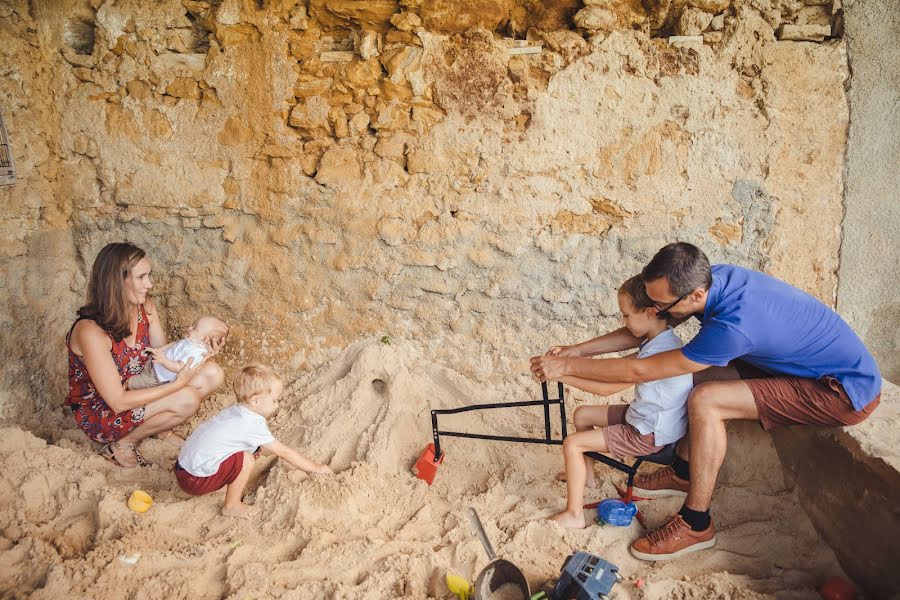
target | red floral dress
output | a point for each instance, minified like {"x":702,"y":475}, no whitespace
{"x":91,"y":412}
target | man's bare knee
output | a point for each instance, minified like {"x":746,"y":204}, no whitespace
{"x":703,"y":402}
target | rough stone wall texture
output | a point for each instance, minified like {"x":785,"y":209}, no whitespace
{"x":316,"y":172}
{"x":869,"y":292}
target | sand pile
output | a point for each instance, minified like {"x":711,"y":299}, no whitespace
{"x":372,"y":531}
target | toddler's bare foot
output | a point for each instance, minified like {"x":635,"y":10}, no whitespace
{"x":589,"y":482}
{"x":240,"y":510}
{"x":570,"y":521}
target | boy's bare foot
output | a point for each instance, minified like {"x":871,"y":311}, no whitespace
{"x":589,"y":482}
{"x":570,"y":521}
{"x":240,"y":510}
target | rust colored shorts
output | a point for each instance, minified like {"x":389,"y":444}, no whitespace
{"x":624,"y":440}
{"x":198,"y":486}
{"x":783,"y":401}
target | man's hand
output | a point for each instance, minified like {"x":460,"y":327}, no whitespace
{"x":548,"y":367}
{"x":563,"y":352}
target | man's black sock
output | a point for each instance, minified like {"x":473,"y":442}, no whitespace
{"x":682,"y":468}
{"x":697,"y":519}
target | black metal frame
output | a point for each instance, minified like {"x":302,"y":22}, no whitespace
{"x":546,"y":403}
{"x":661,"y":457}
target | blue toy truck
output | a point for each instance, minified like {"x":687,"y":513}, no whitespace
{"x":585,"y":576}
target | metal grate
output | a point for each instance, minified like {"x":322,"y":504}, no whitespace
{"x":7,"y":169}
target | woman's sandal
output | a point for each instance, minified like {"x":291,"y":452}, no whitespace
{"x":109,"y":454}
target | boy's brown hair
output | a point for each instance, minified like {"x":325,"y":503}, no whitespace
{"x":253,"y":380}
{"x":636,"y":292}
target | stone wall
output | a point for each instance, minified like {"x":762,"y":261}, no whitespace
{"x":869,"y":294}
{"x":484,"y":179}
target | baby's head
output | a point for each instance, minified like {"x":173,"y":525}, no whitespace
{"x":638,"y":311}
{"x":258,"y":388}
{"x":208,"y":329}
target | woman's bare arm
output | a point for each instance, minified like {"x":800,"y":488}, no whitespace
{"x":95,"y":348}
{"x":157,"y":332}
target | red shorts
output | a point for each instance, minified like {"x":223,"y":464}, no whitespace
{"x":624,"y":440}
{"x":782,"y":400}
{"x":198,"y":486}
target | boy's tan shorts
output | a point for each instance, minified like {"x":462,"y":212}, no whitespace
{"x":624,"y":440}
{"x":782,"y":401}
{"x":145,"y":379}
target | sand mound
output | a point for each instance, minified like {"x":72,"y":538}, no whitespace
{"x":373,"y":530}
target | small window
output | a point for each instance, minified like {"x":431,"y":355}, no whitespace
{"x":7,"y":170}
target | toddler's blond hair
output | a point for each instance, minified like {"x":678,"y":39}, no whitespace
{"x":253,"y":380}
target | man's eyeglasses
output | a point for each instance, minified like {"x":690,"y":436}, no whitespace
{"x":662,"y":311}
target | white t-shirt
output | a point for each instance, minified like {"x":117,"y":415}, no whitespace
{"x":661,"y":406}
{"x":180,"y":351}
{"x":233,"y":429}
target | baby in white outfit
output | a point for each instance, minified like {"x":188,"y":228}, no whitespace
{"x":168,"y":360}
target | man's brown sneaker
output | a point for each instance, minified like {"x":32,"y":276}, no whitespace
{"x":660,"y":484}
{"x":672,"y":540}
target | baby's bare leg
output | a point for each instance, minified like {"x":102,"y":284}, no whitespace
{"x":233,"y":507}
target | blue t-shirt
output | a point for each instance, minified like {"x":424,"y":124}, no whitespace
{"x":781,"y":330}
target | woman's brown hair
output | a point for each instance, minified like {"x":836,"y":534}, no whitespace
{"x":106,"y":302}
{"x":636,"y":292}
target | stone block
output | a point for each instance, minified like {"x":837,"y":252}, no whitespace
{"x":804,"y":33}
{"x":339,"y":168}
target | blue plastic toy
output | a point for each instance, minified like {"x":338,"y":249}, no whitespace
{"x":615,"y":512}
{"x":585,"y":576}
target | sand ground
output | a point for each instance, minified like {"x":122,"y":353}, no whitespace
{"x":373,"y":530}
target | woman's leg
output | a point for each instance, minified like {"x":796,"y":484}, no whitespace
{"x":585,"y":419}
{"x":208,"y":379}
{"x":233,"y":507}
{"x":574,"y":448}
{"x":161,"y":415}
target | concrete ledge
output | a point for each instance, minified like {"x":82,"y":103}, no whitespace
{"x":849,"y":485}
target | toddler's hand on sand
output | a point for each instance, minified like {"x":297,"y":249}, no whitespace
{"x":322,"y":470}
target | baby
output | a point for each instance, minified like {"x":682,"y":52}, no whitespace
{"x":221,"y":451}
{"x":168,"y":360}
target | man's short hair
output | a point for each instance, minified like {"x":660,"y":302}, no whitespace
{"x":253,"y":380}
{"x":684,"y":265}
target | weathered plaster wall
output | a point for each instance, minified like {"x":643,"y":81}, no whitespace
{"x":319,"y":172}
{"x":869,"y":292}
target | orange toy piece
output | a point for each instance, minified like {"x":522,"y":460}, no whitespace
{"x":426,"y":467}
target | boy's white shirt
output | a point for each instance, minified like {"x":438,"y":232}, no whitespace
{"x":233,"y":429}
{"x":180,"y":351}
{"x":660,"y":406}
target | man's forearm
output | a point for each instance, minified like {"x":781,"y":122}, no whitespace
{"x":616,"y":341}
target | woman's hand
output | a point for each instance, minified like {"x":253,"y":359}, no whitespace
{"x":563,"y":352}
{"x":188,"y":371}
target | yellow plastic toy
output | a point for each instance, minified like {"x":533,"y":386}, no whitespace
{"x":139,"y":501}
{"x":459,"y":586}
